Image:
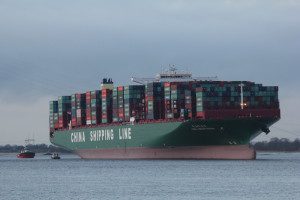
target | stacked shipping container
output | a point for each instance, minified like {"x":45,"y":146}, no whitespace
{"x":167,"y":103}
{"x":175,"y":99}
{"x":134,"y":102}
{"x":73,"y":111}
{"x":88,"y":110}
{"x":64,"y":111}
{"x":93,"y":107}
{"x":106,"y":95}
{"x":53,"y":115}
{"x":154,"y":98}
{"x":121,"y":112}
{"x":228,"y":96}
{"x":118,"y":104}
{"x":78,"y":107}
{"x":199,"y":102}
{"x":159,"y":100}
{"x":115,"y":113}
{"x":189,"y":109}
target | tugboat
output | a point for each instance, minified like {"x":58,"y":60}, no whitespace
{"x":25,"y":153}
{"x":55,"y":156}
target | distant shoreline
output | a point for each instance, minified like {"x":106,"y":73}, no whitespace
{"x":37,"y":148}
{"x":41,"y":153}
{"x":277,"y":145}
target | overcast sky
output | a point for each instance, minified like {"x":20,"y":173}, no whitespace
{"x":58,"y":47}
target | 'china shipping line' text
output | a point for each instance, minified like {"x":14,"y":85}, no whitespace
{"x":101,"y":135}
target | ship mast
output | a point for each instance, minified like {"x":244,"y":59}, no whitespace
{"x":242,"y":95}
{"x":29,"y":141}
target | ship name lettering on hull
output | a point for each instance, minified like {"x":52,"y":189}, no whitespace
{"x":125,"y":134}
{"x":77,"y":137}
{"x":101,"y":135}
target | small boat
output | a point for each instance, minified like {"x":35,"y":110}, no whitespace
{"x":55,"y":156}
{"x":25,"y":153}
{"x":47,"y":154}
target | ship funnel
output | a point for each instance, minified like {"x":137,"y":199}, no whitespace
{"x":107,"y":83}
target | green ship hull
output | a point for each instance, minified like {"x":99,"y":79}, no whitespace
{"x":192,"y":139}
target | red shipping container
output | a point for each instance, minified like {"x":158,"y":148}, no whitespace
{"x":56,"y":125}
{"x":167,"y":84}
{"x":173,"y":87}
{"x":200,"y":115}
{"x":199,"y":89}
{"x":221,"y":84}
{"x":149,"y":98}
{"x":120,"y":88}
{"x":105,"y":91}
{"x":74,"y":123}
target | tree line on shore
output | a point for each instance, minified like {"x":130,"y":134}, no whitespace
{"x":38,"y":148}
{"x":274,"y":144}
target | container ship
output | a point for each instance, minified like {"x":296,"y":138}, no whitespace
{"x":171,"y":116}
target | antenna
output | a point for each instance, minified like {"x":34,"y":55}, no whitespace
{"x":172,"y":69}
{"x":29,"y":141}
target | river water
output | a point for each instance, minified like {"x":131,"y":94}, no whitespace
{"x":271,"y":176}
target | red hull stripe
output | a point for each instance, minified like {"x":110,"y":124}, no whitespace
{"x":197,"y":152}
